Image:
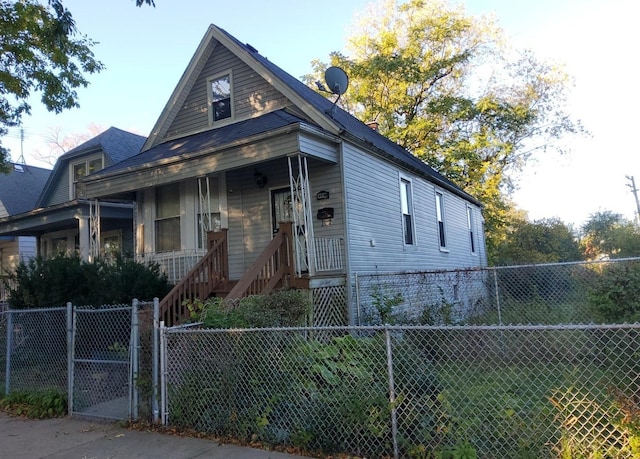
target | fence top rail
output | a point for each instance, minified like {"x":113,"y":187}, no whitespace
{"x":492,"y":268}
{"x":29,"y":310}
{"x":192,"y":329}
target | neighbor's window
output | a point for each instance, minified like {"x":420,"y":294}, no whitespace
{"x":440,"y":217}
{"x":167,"y":224}
{"x":471,"y":225}
{"x":81,"y":169}
{"x":220,"y":98}
{"x":407,"y":206}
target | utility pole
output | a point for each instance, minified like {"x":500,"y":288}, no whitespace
{"x":634,"y":190}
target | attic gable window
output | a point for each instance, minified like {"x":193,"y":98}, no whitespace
{"x":82,"y":168}
{"x":220,"y":92}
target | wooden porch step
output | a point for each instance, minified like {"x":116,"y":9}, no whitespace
{"x":224,"y":288}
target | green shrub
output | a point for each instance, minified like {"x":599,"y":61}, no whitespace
{"x":613,"y":297}
{"x":46,"y":282}
{"x":282,"y":308}
{"x":35,"y":404}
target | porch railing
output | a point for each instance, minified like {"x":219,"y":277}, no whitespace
{"x":174,"y":264}
{"x":329,"y":253}
{"x":273,"y":268}
{"x":209,"y":273}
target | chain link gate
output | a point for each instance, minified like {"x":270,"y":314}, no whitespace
{"x":103,"y":362}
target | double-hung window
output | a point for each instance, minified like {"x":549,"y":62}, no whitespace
{"x":406,"y":204}
{"x":82,"y":168}
{"x":471,"y":226}
{"x":167,"y":223}
{"x":442,"y":236}
{"x":220,"y":98}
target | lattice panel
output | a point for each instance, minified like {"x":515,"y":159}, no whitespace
{"x":329,"y":306}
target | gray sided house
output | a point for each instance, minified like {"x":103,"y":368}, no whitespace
{"x":251,"y":181}
{"x":63,"y":222}
{"x":19,"y":191}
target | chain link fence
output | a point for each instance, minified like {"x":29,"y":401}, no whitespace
{"x":534,"y":294}
{"x":499,"y":391}
{"x":34,"y":353}
{"x":92,"y":354}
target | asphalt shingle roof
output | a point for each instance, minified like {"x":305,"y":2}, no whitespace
{"x":350,"y":125}
{"x":20,"y":188}
{"x":207,"y":139}
{"x":116,"y":143}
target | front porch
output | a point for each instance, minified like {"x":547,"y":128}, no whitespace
{"x":203,"y":275}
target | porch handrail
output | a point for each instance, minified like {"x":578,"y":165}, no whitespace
{"x":273,"y":267}
{"x":200,"y":281}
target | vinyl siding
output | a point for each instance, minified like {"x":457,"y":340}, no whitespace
{"x":375,"y":231}
{"x":249,"y":207}
{"x":27,"y":247}
{"x":319,"y":148}
{"x":252,"y":95}
{"x":60,"y":190}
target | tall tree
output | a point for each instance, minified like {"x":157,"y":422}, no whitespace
{"x":441,"y":84}
{"x":607,"y":234}
{"x":541,"y":241}
{"x":41,"y":51}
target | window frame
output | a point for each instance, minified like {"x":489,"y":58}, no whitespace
{"x":471,"y":224}
{"x":171,"y":219}
{"x":210,"y":98}
{"x":408,"y":217}
{"x":86,"y":161}
{"x":441,"y":216}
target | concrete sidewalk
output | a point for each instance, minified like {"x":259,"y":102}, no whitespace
{"x":79,"y":438}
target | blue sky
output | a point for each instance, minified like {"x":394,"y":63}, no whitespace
{"x":145,"y":51}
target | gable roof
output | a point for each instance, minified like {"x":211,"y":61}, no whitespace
{"x":116,"y":144}
{"x":20,"y":188}
{"x":322,"y":111}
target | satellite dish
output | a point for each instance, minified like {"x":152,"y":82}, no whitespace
{"x":337,"y":80}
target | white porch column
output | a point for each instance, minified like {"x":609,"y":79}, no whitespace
{"x":83,"y":228}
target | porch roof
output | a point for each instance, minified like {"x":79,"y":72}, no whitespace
{"x":59,"y":217}
{"x":201,"y":142}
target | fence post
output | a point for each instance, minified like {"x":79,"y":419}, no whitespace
{"x":70,"y":355}
{"x":392,"y":394}
{"x":155,"y":358}
{"x":134,"y":348}
{"x":495,"y":285}
{"x":357,"y":282}
{"x":7,"y":373}
{"x":163,"y":372}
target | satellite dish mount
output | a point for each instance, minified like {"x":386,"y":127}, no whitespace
{"x":337,"y":83}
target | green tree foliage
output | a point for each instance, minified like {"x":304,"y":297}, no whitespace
{"x":609,"y":235}
{"x":540,"y":241}
{"x":47,"y":282}
{"x":41,"y":51}
{"x":613,"y":297}
{"x":441,"y":84}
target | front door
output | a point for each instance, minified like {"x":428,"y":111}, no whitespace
{"x":282,"y":211}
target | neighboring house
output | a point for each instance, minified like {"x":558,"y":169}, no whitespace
{"x":63,"y":222}
{"x":19,"y":191}
{"x":242,"y":146}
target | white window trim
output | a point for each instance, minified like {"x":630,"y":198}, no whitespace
{"x":472,"y":227}
{"x":442,"y":201}
{"x":225,"y":121}
{"x":85,"y":160}
{"x":401,"y":179}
